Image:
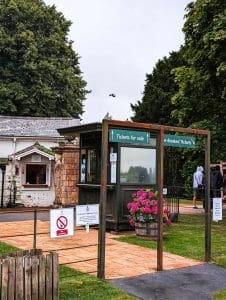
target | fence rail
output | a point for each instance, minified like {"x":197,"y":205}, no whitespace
{"x":29,"y":275}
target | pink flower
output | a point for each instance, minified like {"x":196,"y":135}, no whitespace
{"x":132,"y":223}
{"x":146,"y":210}
{"x":153,"y":203}
{"x":144,"y":207}
{"x":139,"y":193}
{"x":168,"y":222}
{"x":151,"y":195}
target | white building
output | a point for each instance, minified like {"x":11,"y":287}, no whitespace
{"x":26,"y":159}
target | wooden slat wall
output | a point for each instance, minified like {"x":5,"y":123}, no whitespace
{"x":29,"y":276}
{"x":5,"y":273}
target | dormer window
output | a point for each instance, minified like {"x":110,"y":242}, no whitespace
{"x":35,"y":166}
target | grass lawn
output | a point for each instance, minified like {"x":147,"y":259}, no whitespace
{"x":187,"y":238}
{"x":77,"y":285}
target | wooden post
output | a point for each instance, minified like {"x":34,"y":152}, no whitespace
{"x":55,"y":265}
{"x":5,"y":272}
{"x":35,"y":229}
{"x":103,"y":199}
{"x":34,"y":274}
{"x":19,"y":278}
{"x":207,"y":200}
{"x":160,"y":200}
{"x":42,"y":282}
{"x":27,"y":277}
{"x":11,"y":283}
{"x":49,"y":274}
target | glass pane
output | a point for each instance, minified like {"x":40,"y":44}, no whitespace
{"x":92,"y":166}
{"x":138,"y":165}
{"x":35,"y":174}
{"x":83,"y":166}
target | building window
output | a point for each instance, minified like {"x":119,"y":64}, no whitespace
{"x":36,"y":174}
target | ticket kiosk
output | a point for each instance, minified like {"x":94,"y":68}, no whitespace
{"x":131,"y":166}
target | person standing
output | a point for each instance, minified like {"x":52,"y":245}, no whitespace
{"x":198,"y":178}
{"x":216,"y":182}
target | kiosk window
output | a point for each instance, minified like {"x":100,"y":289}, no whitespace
{"x":92,"y":166}
{"x":138,"y":165}
{"x":89,"y":168}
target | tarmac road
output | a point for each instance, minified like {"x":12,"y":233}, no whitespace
{"x":192,"y":283}
{"x":23,"y":216}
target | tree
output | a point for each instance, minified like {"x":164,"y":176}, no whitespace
{"x":156,"y":105}
{"x":200,"y":100}
{"x":39,"y":71}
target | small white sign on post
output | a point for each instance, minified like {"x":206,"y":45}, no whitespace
{"x":217,"y":209}
{"x":87,"y":214}
{"x":113,"y":157}
{"x":61,"y":222}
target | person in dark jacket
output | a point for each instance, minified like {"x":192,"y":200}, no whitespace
{"x":216,"y":182}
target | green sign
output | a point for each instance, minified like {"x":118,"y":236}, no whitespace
{"x":180,"y":141}
{"x":129,"y":136}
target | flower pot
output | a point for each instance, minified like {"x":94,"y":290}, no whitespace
{"x":146,"y":231}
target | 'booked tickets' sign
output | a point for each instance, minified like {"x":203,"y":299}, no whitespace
{"x":181,"y":141}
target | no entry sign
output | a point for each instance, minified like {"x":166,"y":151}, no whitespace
{"x":61,"y":222}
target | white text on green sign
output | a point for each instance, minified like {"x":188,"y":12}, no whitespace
{"x":129,"y":136}
{"x":180,"y":141}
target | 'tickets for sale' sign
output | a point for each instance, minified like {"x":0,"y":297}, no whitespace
{"x":61,"y":222}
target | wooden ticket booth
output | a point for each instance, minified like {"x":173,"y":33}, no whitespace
{"x":118,"y":158}
{"x":131,"y":165}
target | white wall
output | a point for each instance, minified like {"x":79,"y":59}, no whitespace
{"x":32,"y":196}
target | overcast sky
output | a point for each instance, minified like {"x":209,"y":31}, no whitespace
{"x":119,"y":42}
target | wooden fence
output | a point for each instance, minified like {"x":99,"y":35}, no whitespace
{"x":29,"y":275}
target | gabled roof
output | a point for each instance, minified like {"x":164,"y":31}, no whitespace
{"x":36,"y":148}
{"x":34,"y":126}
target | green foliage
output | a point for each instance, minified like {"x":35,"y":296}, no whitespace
{"x":156,"y":105}
{"x":40,"y":74}
{"x":188,"y":89}
{"x":200,"y":100}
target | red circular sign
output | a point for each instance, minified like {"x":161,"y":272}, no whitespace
{"x":61,"y":222}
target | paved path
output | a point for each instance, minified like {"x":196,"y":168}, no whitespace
{"x":193,"y":283}
{"x":80,"y":251}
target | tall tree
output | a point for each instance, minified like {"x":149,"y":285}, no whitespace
{"x":156,"y":105}
{"x":201,"y":97}
{"x":39,"y":70}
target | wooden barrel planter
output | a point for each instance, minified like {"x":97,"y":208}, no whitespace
{"x":146,"y":231}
